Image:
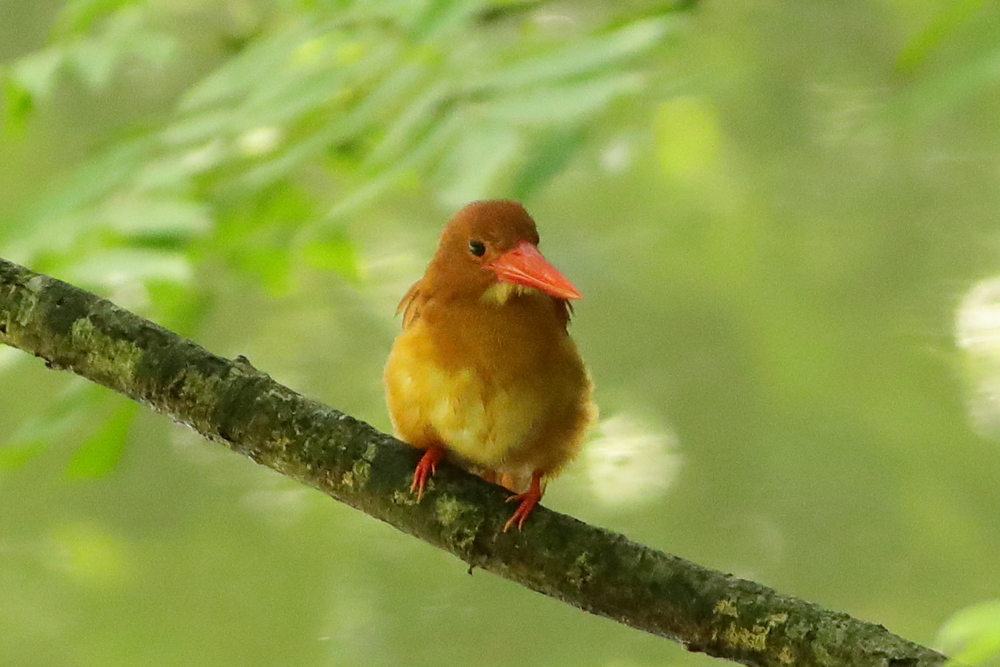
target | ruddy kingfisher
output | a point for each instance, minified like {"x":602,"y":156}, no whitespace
{"x":484,"y":371}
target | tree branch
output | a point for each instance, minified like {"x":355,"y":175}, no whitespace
{"x":602,"y":572}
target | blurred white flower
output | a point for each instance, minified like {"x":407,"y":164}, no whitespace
{"x":259,"y":141}
{"x":616,"y":157}
{"x":978,"y":320}
{"x":977,"y":334}
{"x":631,"y":463}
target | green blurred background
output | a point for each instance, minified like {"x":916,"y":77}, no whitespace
{"x":784,"y":216}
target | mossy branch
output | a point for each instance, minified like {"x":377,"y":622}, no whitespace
{"x":231,"y":402}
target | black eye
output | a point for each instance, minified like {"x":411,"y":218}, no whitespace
{"x":477,"y":248}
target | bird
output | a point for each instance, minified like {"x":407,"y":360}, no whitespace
{"x":484,"y":372}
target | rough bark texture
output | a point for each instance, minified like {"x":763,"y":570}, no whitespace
{"x":231,"y":402}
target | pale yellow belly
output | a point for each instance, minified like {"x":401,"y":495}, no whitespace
{"x":477,"y":419}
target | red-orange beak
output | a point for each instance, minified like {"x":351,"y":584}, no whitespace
{"x":524,"y":265}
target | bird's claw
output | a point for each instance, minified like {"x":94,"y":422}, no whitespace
{"x":426,"y":467}
{"x":528,"y":500}
{"x":521,"y":513}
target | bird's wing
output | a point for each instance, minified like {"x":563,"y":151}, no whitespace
{"x":409,"y":306}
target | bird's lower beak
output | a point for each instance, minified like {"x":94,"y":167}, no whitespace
{"x":524,"y":265}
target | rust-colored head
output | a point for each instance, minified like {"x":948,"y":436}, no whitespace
{"x":493,"y":242}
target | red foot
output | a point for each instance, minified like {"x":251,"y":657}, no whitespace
{"x":426,"y":467}
{"x":528,"y":501}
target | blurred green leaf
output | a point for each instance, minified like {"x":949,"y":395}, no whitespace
{"x":259,"y":62}
{"x":358,"y":100}
{"x":100,"y":453}
{"x":273,"y":268}
{"x":560,"y":104}
{"x":915,"y":51}
{"x":332,"y":251}
{"x":582,"y":57}
{"x":94,"y":57}
{"x":429,"y":146}
{"x":414,"y":121}
{"x":688,"y":138}
{"x":545,"y":161}
{"x":103,"y":174}
{"x":481,"y":151}
{"x":441,"y":15}
{"x":18,"y":104}
{"x":387,"y":94}
{"x":78,"y":16}
{"x":257,"y":237}
{"x":972,"y":635}
{"x":156,"y":215}
{"x":50,"y":423}
{"x":176,"y":307}
{"x":120,"y":266}
{"x":125,"y":37}
{"x":95,"y":62}
{"x":37,"y":72}
{"x":15,"y":455}
{"x":930,"y":98}
{"x":87,"y":553}
{"x":284,"y":80}
{"x":56,"y":221}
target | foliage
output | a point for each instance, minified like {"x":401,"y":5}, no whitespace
{"x":320,"y":109}
{"x":972,"y":635}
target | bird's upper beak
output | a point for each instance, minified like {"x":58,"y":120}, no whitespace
{"x":524,"y":265}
